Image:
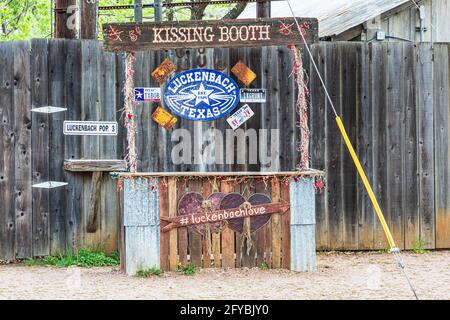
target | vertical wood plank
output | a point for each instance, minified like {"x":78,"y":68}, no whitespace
{"x":195,"y":239}
{"x":335,"y":150}
{"x":242,"y":258}
{"x":441,"y":138}
{"x":411,"y":187}
{"x":173,"y":236}
{"x":285,"y":228}
{"x":23,"y":177}
{"x":73,"y":146}
{"x":276,"y":226}
{"x":108,"y":150}
{"x":262,"y":252}
{"x":426,"y":145}
{"x":165,"y":236}
{"x":40,"y":147}
{"x":7,"y":156}
{"x":90,"y":112}
{"x":394,"y":144}
{"x":365,"y":146}
{"x":206,"y":241}
{"x":349,"y":69}
{"x":228,"y":242}
{"x":379,"y":137}
{"x":182,"y":187}
{"x":57,"y":98}
{"x":319,"y":136}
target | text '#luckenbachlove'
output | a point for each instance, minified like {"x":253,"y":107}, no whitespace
{"x":225,"y":215}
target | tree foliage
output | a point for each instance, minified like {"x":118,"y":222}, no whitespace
{"x":26,"y":19}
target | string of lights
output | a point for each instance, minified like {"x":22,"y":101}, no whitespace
{"x":176,"y":4}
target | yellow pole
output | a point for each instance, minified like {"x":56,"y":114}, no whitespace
{"x":366,"y":183}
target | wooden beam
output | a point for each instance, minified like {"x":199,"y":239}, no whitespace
{"x":95,"y":165}
{"x":309,"y":173}
{"x":155,"y":36}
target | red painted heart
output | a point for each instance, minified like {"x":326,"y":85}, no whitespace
{"x":193,"y":202}
{"x":235,"y":200}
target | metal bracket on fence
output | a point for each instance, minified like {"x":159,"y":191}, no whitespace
{"x":50,"y":185}
{"x":48,"y":109}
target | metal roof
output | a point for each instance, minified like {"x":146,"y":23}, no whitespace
{"x":335,"y":16}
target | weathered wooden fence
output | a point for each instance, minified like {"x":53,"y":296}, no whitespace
{"x":393,"y":96}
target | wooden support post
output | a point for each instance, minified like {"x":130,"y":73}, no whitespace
{"x":142,"y":225}
{"x":303,"y":225}
{"x":138,"y":10}
{"x":88,"y":19}
{"x":65,"y":22}
{"x":263,"y":10}
{"x":158,"y":10}
{"x":94,"y":198}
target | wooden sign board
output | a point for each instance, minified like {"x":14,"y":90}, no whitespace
{"x":90,"y":128}
{"x":222,"y":215}
{"x":154,"y":36}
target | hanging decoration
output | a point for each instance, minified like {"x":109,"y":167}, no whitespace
{"x":243,"y":73}
{"x":164,"y":71}
{"x":128,"y":114}
{"x":164,"y":118}
{"x":302,"y":108}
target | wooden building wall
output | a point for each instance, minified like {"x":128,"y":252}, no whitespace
{"x":403,"y":23}
{"x":393,"y":97}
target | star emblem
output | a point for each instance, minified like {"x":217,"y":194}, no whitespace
{"x":202,"y":95}
{"x":138,"y":95}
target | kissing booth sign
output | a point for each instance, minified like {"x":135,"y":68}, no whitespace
{"x":214,"y":219}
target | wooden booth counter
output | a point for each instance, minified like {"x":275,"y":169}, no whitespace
{"x":221,"y":220}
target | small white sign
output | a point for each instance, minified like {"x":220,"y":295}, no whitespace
{"x":90,"y":128}
{"x":147,"y":94}
{"x":253,"y":95}
{"x":241,"y":116}
{"x":50,"y":185}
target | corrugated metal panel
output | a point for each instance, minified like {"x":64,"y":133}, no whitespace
{"x":302,"y":197}
{"x":145,"y":203}
{"x":303,"y":225}
{"x":141,"y":248}
{"x":141,"y":221}
{"x":335,"y":16}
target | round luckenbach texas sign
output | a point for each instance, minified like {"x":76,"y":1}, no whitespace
{"x":201,"y":95}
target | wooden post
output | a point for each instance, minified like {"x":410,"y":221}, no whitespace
{"x":138,"y":10}
{"x":88,"y":19}
{"x":157,"y":10}
{"x":141,"y":224}
{"x":303,"y":225}
{"x":65,"y":26}
{"x":263,"y":10}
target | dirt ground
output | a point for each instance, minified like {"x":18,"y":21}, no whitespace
{"x":339,"y":276}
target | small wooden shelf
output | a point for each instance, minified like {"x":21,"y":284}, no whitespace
{"x":307,"y":173}
{"x":89,"y":165}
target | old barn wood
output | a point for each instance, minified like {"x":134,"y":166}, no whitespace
{"x":155,"y":36}
{"x":282,"y":241}
{"x":369,"y":84}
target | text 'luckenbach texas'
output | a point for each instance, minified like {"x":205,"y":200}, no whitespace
{"x":207,"y":34}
